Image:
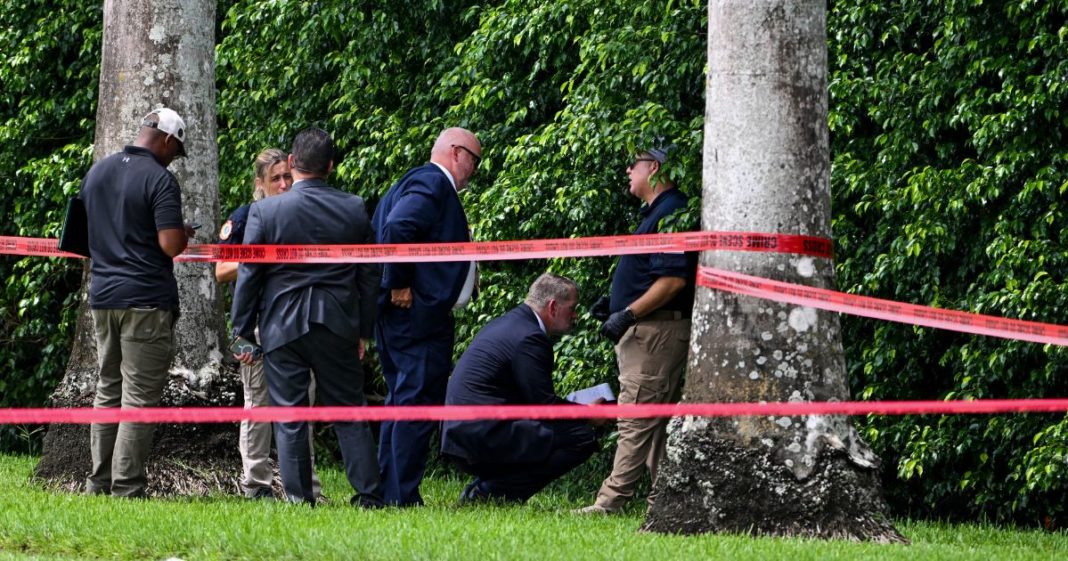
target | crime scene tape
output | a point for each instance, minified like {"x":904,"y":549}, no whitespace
{"x":865,"y":306}
{"x":503,"y":412}
{"x":472,"y":251}
{"x":580,"y":247}
{"x":40,"y":247}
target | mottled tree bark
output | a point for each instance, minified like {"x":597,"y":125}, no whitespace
{"x":766,"y":169}
{"x":154,"y":54}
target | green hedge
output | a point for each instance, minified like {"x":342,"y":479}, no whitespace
{"x":949,"y":172}
{"x":51,"y":59}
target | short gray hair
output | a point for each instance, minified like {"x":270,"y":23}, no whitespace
{"x":550,"y":286}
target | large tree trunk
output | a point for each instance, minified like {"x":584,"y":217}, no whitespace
{"x":766,"y":169}
{"x":161,"y":53}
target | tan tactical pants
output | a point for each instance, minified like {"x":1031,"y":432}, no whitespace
{"x":652,"y":357}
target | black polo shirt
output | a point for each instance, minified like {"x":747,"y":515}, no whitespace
{"x":636,"y":273}
{"x":129,"y":197}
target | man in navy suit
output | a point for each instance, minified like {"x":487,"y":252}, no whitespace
{"x":415,"y":327}
{"x":510,"y":361}
{"x":312,"y":316}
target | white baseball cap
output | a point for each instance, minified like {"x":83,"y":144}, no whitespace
{"x":168,"y":122}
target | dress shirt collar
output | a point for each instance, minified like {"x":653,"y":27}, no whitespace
{"x":541,"y":324}
{"x":447,"y":174}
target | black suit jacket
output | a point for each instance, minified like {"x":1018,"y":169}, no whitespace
{"x":423,"y":207}
{"x":284,"y":298}
{"x":509,"y":362}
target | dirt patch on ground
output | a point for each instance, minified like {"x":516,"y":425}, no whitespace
{"x":186,"y":459}
{"x":715,"y":485}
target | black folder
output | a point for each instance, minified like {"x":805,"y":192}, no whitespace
{"x":75,"y":235}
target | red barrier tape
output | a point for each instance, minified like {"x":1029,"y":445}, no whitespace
{"x":473,"y":251}
{"x":965,"y":322}
{"x":580,"y":247}
{"x":479,"y":412}
{"x":41,"y":247}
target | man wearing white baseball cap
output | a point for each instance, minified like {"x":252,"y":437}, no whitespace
{"x":134,"y":211}
{"x":168,"y":122}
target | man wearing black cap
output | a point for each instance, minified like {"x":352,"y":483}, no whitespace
{"x":648,"y":320}
{"x":134,"y":210}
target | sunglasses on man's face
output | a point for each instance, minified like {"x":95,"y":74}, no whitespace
{"x":478,"y":159}
{"x":636,"y":160}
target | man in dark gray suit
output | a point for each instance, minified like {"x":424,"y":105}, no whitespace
{"x":312,"y":317}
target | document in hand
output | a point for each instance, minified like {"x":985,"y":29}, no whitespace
{"x":586,"y":396}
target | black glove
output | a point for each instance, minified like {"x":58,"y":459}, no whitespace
{"x":600,"y":310}
{"x":617,"y":324}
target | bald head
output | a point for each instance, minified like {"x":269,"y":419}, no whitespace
{"x":459,"y":151}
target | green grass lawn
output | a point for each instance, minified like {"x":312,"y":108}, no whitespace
{"x":42,"y":525}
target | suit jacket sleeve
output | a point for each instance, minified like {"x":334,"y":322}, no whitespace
{"x":533,"y":370}
{"x":368,"y":278}
{"x":410,"y":221}
{"x":250,"y":277}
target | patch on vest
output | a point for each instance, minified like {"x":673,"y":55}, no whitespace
{"x":226,"y":230}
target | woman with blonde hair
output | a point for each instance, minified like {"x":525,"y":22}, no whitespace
{"x":272,"y":177}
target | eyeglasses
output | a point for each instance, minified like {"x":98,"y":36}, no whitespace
{"x":636,"y":160}
{"x":478,"y":159}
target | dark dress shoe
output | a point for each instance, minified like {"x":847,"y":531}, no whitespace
{"x":472,"y":494}
{"x":360,"y":501}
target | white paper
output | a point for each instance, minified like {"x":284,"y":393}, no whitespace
{"x":586,"y":396}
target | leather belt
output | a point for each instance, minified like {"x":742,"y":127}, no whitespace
{"x":660,"y":315}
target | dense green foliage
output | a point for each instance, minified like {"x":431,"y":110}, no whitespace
{"x":51,"y":57}
{"x":948,"y":169}
{"x":38,"y":524}
{"x":554,"y":91}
